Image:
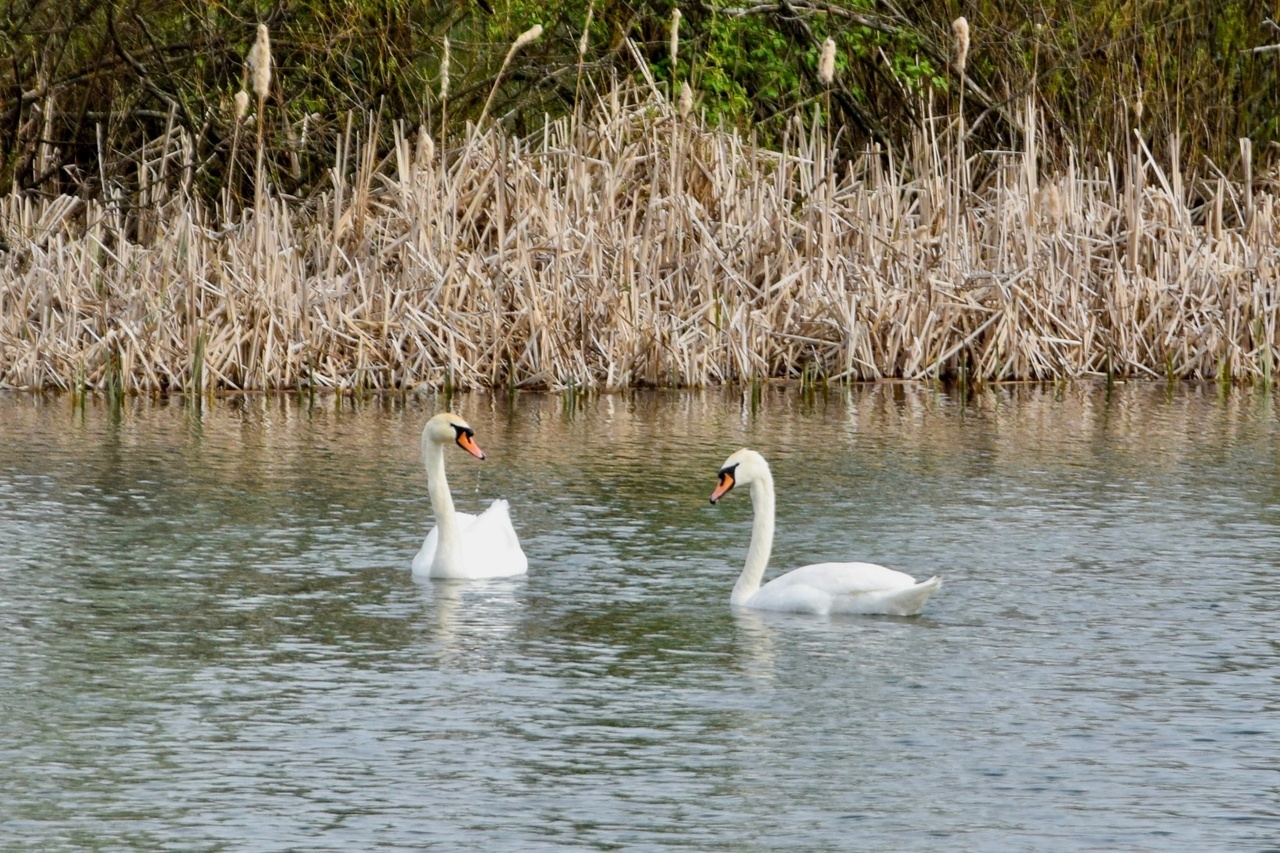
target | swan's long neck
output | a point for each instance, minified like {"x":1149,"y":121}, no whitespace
{"x":448,"y":546}
{"x":761,"y":540}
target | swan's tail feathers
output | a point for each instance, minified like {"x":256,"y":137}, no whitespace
{"x":909,"y":601}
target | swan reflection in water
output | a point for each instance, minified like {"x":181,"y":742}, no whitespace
{"x":471,"y":621}
{"x":756,"y":653}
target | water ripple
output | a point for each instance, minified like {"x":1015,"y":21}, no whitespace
{"x":209,"y":636}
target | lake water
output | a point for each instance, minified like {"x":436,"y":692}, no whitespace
{"x":210,"y":637}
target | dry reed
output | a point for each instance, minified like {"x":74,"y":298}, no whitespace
{"x":258,"y":66}
{"x":444,"y":90}
{"x":530,"y":35}
{"x":240,"y":110}
{"x":643,"y":251}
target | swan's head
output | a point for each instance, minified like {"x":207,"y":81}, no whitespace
{"x":448,"y":428}
{"x":740,"y":469}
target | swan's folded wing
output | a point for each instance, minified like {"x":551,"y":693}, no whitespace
{"x":491,"y":542}
{"x":845,"y":588}
{"x":846,"y":578}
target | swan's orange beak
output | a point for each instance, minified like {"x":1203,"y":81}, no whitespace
{"x":726,"y":483}
{"x":467,"y":443}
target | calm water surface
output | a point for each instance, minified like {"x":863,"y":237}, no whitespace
{"x":210,"y":638}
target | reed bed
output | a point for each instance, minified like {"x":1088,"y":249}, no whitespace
{"x":635,"y":247}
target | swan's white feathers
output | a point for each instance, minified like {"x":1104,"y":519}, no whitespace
{"x":489,"y":541}
{"x":844,"y":588}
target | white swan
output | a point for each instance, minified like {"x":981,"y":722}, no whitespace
{"x":822,"y":588}
{"x":463,"y":545}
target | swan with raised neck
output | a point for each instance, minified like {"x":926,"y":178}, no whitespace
{"x":463,"y":545}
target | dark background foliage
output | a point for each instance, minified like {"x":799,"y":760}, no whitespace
{"x":87,"y":85}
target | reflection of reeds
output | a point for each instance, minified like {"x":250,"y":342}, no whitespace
{"x":896,"y":425}
{"x":631,"y":255}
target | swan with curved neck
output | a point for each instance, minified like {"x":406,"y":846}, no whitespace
{"x":462,"y":545}
{"x":821,"y":588}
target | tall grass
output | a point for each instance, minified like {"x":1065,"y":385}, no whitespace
{"x":643,"y":250}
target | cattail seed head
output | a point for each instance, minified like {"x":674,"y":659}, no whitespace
{"x":586,"y":31}
{"x":527,"y":36}
{"x":960,"y":28}
{"x":426,"y":149}
{"x":444,"y":72}
{"x":242,"y":104}
{"x":1053,"y":205}
{"x":686,"y":99}
{"x":675,"y":36}
{"x":827,"y":65}
{"x":259,"y":61}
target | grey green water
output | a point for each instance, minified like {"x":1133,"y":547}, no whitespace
{"x":210,"y":638}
